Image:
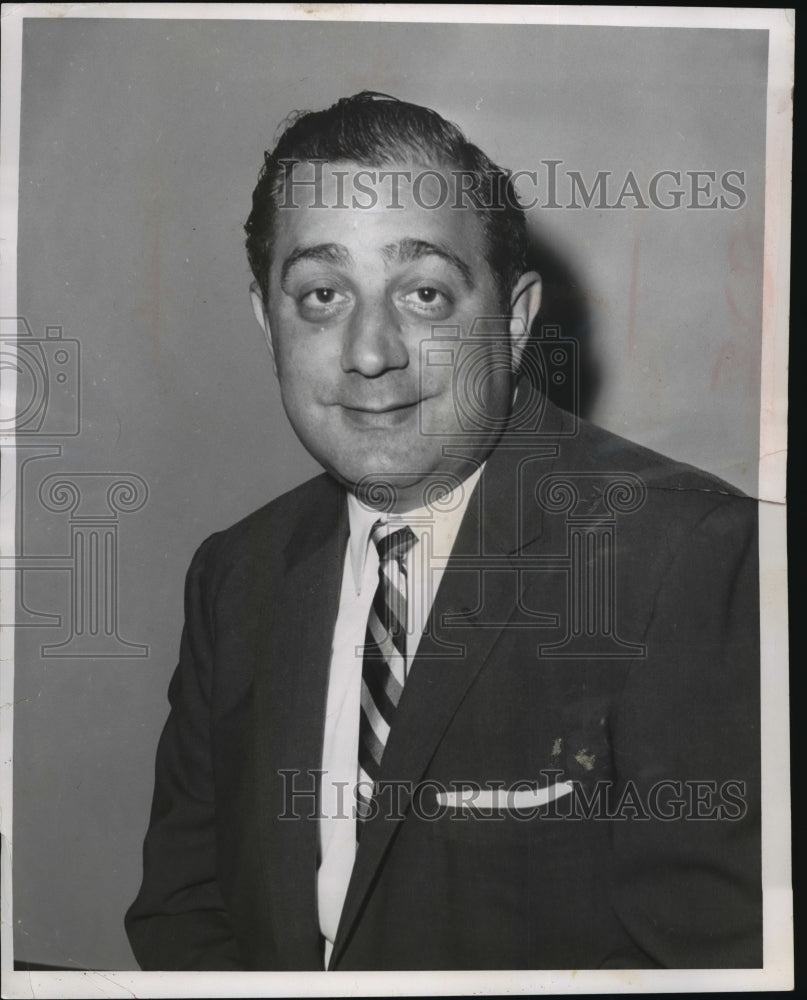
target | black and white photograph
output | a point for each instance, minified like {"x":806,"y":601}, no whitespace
{"x":392,"y":532}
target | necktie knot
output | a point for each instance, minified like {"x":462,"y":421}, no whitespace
{"x":392,"y":544}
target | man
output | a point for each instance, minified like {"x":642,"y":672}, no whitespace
{"x":484,"y":694}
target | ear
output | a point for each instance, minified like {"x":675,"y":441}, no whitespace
{"x":525,"y":303}
{"x":259,"y":308}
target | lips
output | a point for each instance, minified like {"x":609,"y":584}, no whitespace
{"x":385,"y":415}
{"x":385,"y":408}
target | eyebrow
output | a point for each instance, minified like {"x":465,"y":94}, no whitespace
{"x":410,"y":249}
{"x":405,"y":251}
{"x":327,"y":253}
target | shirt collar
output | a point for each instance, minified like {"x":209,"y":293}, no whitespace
{"x":443,"y":519}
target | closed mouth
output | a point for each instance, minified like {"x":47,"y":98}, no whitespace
{"x":389,"y":408}
{"x":384,"y":417}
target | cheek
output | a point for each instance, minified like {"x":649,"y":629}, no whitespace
{"x":306,"y":365}
{"x":435,"y":371}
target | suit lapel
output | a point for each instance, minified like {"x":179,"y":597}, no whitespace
{"x":469,"y":612}
{"x":291,"y":692}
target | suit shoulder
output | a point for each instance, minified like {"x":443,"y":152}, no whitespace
{"x":264,"y":531}
{"x":288,"y":507}
{"x":676,"y":496}
{"x":672,"y":521}
{"x":599,"y":449}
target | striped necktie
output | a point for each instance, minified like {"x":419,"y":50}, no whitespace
{"x":384,"y":665}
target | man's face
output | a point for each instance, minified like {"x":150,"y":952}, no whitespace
{"x":354,"y":295}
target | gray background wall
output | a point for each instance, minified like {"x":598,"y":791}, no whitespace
{"x":140,"y":145}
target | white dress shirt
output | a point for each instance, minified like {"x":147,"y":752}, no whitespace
{"x":435,"y":528}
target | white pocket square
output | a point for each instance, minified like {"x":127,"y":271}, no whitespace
{"x":499,"y":798}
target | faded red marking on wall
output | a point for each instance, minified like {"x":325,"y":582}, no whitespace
{"x":742,"y":254}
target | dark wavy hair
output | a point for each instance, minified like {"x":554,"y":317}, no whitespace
{"x":376,"y":130}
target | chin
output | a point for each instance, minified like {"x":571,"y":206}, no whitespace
{"x":395,"y":489}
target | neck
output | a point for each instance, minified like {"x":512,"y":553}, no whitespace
{"x":430,"y":491}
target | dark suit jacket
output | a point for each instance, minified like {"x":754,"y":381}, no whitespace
{"x":588,"y":632}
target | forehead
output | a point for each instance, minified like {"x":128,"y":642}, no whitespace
{"x":369,"y":208}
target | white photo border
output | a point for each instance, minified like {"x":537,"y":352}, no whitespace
{"x":777,"y":972}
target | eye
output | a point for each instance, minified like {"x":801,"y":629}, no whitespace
{"x":321,"y":302}
{"x":429,"y":301}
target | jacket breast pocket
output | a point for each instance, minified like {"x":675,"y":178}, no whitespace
{"x":513,"y":816}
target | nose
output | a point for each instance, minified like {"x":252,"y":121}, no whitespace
{"x":373,"y":343}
